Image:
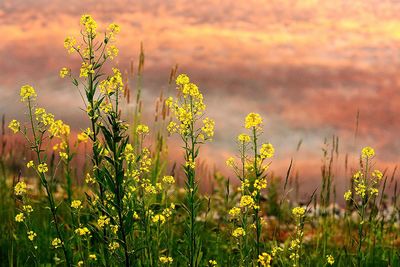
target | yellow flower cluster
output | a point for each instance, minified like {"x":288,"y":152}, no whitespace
{"x":168,"y":179}
{"x":106,"y":107}
{"x":56,"y":242}
{"x":208,"y":128}
{"x":84,"y":136}
{"x":253,"y":120}
{"x":243,"y":138}
{"x":14,"y":126}
{"x":27,"y":208}
{"x":64,"y":72}
{"x":264,"y":259}
{"x":298,"y":212}
{"x":113,"y":246}
{"x":238,"y":232}
{"x":230,"y":162}
{"x":43,"y":117}
{"x":188,"y":109}
{"x":234,"y":212}
{"x":158,"y":219}
{"x":58,"y":129}
{"x":190,"y":164}
{"x":86,"y":69}
{"x":246,"y":201}
{"x":103,"y":221}
{"x":142,"y":129}
{"x":42,"y":168}
{"x":82,"y":231}
{"x":166,"y":260}
{"x":90,"y":25}
{"x":112,"y":84}
{"x":367,"y":152}
{"x":267,"y":151}
{"x":112,"y":51}
{"x":76,"y":204}
{"x":20,"y":188}
{"x":20,"y":217}
{"x":69,"y":44}
{"x":31,"y":235}
{"x":27,"y":93}
{"x":330,"y":259}
{"x":213,"y":263}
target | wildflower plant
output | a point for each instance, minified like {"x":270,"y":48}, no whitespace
{"x":194,"y":130}
{"x":42,"y":127}
{"x":366,"y":189}
{"x":251,"y":171}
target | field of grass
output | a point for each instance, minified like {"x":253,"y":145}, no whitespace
{"x":110,"y":195}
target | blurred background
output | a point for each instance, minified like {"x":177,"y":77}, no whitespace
{"x":312,"y":69}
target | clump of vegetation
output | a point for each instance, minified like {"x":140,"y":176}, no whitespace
{"x":126,"y":207}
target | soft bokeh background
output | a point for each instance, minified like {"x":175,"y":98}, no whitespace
{"x":307,"y":66}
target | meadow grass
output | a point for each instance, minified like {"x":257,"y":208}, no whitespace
{"x":121,"y":203}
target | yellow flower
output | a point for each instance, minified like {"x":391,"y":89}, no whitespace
{"x":172,"y":127}
{"x":59,"y":128}
{"x":19,"y":217}
{"x":142,"y":129}
{"x":360,"y":189}
{"x":298,"y":212}
{"x":377,"y":174}
{"x":64,"y":72}
{"x":63,"y":155}
{"x":14,"y":126}
{"x":166,"y":260}
{"x":106,"y":107}
{"x":102,"y":221}
{"x":86,"y":69}
{"x":42,"y":168}
{"x":246,"y":201}
{"x":27,"y":93}
{"x":84,"y":136}
{"x":213,"y":263}
{"x":112,"y":51}
{"x":27,"y":208}
{"x":31,"y":235}
{"x":264,"y":259}
{"x":112,"y":84}
{"x":30,"y":164}
{"x":113,"y":29}
{"x":347,"y":195}
{"x":253,"y":120}
{"x":367,"y":152}
{"x":92,"y":257}
{"x":230,"y":162}
{"x":234,"y":212}
{"x":20,"y":188}
{"x":182,"y":79}
{"x":159,"y":218}
{"x":114,"y":229}
{"x":208,"y":128}
{"x":243,"y":138}
{"x":82,"y":231}
{"x":80,"y":263}
{"x":190,"y":164}
{"x":76,"y":204}
{"x":238,"y":232}
{"x":113,"y":246}
{"x":168,"y":179}
{"x":69,"y":44}
{"x":267,"y":151}
{"x":56,"y":243}
{"x":330,"y":260}
{"x":90,"y":25}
